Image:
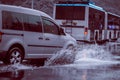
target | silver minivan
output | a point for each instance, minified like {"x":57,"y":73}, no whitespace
{"x":29,"y":34}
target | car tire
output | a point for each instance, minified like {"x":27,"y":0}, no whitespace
{"x":14,"y":56}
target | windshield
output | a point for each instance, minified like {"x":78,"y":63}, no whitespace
{"x":70,"y":12}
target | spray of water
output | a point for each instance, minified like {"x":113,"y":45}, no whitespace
{"x":64,"y":56}
{"x":94,"y":52}
{"x":14,"y":67}
{"x":78,"y":54}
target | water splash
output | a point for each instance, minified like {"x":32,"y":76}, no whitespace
{"x":94,"y":52}
{"x":61,"y":57}
{"x":81,"y":53}
{"x":14,"y":67}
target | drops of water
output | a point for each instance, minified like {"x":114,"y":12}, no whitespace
{"x":61,"y":57}
{"x":14,"y":67}
{"x":94,"y":52}
{"x":81,"y":53}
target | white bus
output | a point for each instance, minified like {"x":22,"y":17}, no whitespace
{"x":85,"y":22}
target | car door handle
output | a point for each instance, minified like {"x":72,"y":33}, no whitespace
{"x":40,"y":38}
{"x":47,"y":39}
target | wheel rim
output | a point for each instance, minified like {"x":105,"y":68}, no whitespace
{"x":15,"y":57}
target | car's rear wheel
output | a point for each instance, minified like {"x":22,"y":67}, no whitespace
{"x":14,"y":56}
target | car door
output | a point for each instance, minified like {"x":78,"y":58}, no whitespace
{"x":33,"y":36}
{"x":51,"y":36}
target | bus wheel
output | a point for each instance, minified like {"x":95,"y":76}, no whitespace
{"x":15,"y":56}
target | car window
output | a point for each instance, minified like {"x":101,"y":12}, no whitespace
{"x":32,"y":23}
{"x":50,"y":26}
{"x":12,"y":20}
{"x":16,"y":21}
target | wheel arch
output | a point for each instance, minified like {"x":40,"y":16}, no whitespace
{"x":19,"y":46}
{"x":69,"y":43}
{"x":6,"y":60}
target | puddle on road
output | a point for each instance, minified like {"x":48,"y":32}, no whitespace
{"x":81,"y":56}
{"x":15,"y":67}
{"x":88,"y":62}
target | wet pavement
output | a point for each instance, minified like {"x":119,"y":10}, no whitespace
{"x":90,"y":63}
{"x":93,"y":71}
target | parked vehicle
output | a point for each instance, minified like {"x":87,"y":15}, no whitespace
{"x":29,"y":34}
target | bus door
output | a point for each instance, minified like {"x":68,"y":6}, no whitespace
{"x":110,"y":34}
{"x":96,"y":35}
{"x":115,"y":34}
{"x":118,"y":34}
{"x":100,"y":34}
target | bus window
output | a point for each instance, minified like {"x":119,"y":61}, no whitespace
{"x":96,"y":19}
{"x":70,"y":12}
{"x":113,"y":22}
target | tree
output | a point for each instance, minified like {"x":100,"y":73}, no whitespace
{"x":7,"y":1}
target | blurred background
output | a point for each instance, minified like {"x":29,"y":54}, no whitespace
{"x":47,"y":5}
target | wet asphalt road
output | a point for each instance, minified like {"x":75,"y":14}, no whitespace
{"x":82,"y":69}
{"x":92,"y":71}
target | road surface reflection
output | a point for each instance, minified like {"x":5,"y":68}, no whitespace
{"x":86,"y":66}
{"x":75,"y":71}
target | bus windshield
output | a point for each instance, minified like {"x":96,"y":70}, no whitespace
{"x":70,"y":12}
